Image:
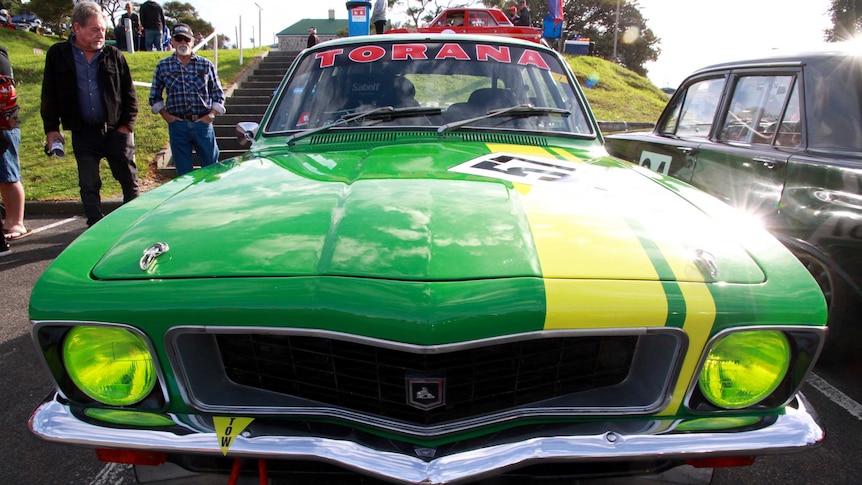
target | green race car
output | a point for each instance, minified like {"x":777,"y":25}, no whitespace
{"x":428,"y":270}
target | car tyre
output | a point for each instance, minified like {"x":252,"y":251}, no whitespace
{"x":840,"y":338}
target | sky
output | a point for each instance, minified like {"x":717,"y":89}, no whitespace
{"x":697,"y":33}
{"x":693,"y":33}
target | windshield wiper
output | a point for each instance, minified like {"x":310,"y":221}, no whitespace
{"x":517,"y":110}
{"x":386,"y":112}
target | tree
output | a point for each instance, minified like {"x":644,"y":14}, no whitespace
{"x":423,"y":11}
{"x":177,"y":11}
{"x":14,"y":6}
{"x":596,"y":19}
{"x":54,"y":13}
{"x":846,"y":20}
{"x":186,"y":13}
{"x":112,"y":8}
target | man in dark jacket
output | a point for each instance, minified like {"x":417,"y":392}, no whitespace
{"x":88,"y":87}
{"x":524,"y":17}
{"x":153,"y":20}
{"x":313,"y":39}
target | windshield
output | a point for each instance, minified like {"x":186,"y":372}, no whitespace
{"x":459,"y":80}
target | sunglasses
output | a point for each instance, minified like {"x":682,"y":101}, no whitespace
{"x":180,"y":38}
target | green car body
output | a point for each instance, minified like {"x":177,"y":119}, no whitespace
{"x":427,"y":303}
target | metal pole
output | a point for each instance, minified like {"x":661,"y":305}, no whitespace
{"x":239,"y":40}
{"x":616,"y":30}
{"x":130,"y":36}
{"x":259,"y":25}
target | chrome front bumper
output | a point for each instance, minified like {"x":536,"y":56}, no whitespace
{"x":795,"y":430}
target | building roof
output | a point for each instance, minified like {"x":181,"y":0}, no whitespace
{"x":323,"y":26}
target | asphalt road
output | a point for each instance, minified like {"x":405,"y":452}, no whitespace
{"x":24,"y":459}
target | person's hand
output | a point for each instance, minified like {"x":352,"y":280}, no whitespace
{"x":124,"y":129}
{"x":169,"y":117}
{"x":51,"y":136}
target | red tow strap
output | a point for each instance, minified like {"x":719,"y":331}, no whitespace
{"x":237,"y":467}
{"x":234,"y":472}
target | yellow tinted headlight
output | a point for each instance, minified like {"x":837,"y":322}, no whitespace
{"x":744,"y":367}
{"x":111,"y":365}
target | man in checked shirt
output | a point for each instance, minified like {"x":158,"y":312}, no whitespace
{"x":194,"y":98}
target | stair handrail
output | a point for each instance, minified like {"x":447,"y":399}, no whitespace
{"x":203,"y":42}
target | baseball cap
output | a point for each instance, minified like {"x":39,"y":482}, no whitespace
{"x":183,"y":30}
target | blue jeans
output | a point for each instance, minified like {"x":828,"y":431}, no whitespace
{"x":10,"y":166}
{"x":153,"y":38}
{"x":186,"y":135}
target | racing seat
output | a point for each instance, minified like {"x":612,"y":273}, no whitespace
{"x":486,"y":99}
{"x":480,"y":102}
{"x":404,"y":92}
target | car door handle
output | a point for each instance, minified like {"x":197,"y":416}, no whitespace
{"x":687,"y":151}
{"x":770,"y":163}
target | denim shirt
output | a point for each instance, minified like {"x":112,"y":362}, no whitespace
{"x":89,"y":94}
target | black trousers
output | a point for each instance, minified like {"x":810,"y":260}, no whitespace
{"x":93,"y":143}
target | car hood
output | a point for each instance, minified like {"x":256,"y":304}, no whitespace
{"x":428,"y":212}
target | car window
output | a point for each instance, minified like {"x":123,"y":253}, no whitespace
{"x":481,"y":19}
{"x":464,"y":80}
{"x":790,"y":128}
{"x":756,"y":109}
{"x":456,"y":19}
{"x":694,"y":112}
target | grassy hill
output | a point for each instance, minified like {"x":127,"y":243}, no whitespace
{"x":57,"y":179}
{"x":614,"y":93}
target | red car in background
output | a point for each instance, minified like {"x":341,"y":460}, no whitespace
{"x":487,"y":21}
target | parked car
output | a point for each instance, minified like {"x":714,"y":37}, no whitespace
{"x":25,"y":21}
{"x":779,"y":137}
{"x":426,"y":269}
{"x":484,"y":21}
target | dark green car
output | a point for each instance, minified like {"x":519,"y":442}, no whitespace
{"x":779,"y":137}
{"x":427,"y":270}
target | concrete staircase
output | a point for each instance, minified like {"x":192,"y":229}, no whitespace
{"x":246,"y":100}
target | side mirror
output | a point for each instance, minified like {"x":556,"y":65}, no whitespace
{"x":245,"y":132}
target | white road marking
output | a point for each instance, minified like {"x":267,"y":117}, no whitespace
{"x":836,"y":396}
{"x":111,"y":474}
{"x":55,"y":224}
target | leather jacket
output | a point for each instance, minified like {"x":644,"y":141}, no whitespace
{"x":60,"y":91}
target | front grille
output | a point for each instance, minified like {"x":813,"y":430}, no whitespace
{"x":368,"y":379}
{"x":308,"y":374}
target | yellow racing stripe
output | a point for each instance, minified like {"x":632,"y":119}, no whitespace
{"x":604,"y":304}
{"x":588,"y":258}
{"x":699,"y":319}
{"x":574,"y":246}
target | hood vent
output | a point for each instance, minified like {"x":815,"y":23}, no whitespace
{"x":393,"y":136}
{"x":352,"y":138}
{"x":502,"y":138}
